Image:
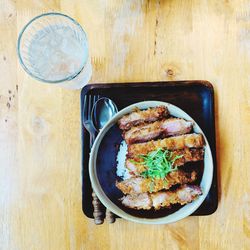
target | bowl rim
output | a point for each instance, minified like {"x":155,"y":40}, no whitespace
{"x":180,"y":213}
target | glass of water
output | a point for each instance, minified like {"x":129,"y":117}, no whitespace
{"x":53,"y":48}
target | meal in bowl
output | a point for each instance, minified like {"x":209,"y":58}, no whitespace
{"x":160,"y":148}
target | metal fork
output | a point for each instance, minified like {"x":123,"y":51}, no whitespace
{"x":88,"y":104}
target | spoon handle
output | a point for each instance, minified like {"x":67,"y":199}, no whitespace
{"x":91,"y":140}
{"x":110,"y":216}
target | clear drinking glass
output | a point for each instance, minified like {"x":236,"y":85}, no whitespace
{"x":53,"y":48}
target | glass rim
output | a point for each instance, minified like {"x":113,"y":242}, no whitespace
{"x":20,"y":56}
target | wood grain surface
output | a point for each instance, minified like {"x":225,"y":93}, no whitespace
{"x":130,"y":40}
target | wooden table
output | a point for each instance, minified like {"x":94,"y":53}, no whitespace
{"x":131,"y":40}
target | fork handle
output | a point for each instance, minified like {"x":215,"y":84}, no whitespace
{"x":98,"y":213}
{"x":97,"y":205}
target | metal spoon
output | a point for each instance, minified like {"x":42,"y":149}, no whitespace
{"x":103,"y":110}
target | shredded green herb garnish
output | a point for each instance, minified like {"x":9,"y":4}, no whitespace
{"x":159,"y":163}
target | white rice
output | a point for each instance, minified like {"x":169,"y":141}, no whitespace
{"x":121,"y":170}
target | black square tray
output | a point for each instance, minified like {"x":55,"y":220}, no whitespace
{"x":195,"y":97}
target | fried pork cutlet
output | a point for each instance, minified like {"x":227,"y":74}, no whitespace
{"x":183,"y":195}
{"x":171,"y":143}
{"x":188,"y":155}
{"x":137,"y":185}
{"x":158,"y":129}
{"x":142,"y":116}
